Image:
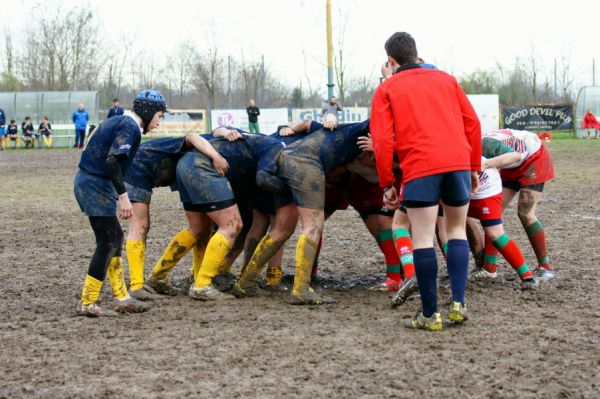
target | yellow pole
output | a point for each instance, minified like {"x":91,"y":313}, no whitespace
{"x":329,"y":50}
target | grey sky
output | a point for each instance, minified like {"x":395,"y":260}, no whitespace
{"x":458,"y":36}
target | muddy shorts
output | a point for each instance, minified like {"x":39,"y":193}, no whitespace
{"x":305,"y":177}
{"x":538,"y":169}
{"x":201,"y":189}
{"x":95,"y":195}
{"x":138,"y":194}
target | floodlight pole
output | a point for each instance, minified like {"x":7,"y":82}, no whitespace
{"x":329,"y":51}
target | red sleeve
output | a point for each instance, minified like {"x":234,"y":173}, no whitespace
{"x":472,"y":127}
{"x":382,"y":133}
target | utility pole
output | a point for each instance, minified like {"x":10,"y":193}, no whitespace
{"x":593,"y":72}
{"x":329,"y":51}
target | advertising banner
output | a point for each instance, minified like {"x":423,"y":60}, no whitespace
{"x":538,"y":117}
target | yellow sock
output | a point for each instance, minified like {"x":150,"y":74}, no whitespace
{"x":266,"y":248}
{"x":91,"y":290}
{"x":135,"y":250}
{"x":216,"y":251}
{"x":115,"y":276}
{"x":178,"y":247}
{"x":198,"y":252}
{"x":306,"y":251}
{"x":274,"y":274}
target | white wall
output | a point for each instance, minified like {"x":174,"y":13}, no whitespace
{"x":487,"y":107}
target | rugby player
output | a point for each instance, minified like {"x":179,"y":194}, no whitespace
{"x":99,"y":186}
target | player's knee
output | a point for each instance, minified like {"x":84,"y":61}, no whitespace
{"x":526,"y":217}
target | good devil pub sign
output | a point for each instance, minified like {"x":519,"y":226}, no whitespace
{"x":538,"y":117}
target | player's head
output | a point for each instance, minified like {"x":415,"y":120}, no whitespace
{"x":13,"y":121}
{"x":27,"y":119}
{"x":252,"y":103}
{"x":81,"y":106}
{"x":116,"y":102}
{"x":589,"y":111}
{"x":150,"y":106}
{"x":401,"y":49}
{"x":333,"y":100}
{"x":45,"y":118}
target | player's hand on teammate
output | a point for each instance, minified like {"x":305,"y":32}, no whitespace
{"x":286,"y":131}
{"x":390,"y":198}
{"x":365,"y":143}
{"x":330,"y":121}
{"x":125,"y":208}
{"x":232,"y":135}
{"x":474,"y":182}
{"x":221,"y":165}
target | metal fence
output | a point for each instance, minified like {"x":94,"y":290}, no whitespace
{"x":588,"y":98}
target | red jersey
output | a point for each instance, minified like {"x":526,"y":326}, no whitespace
{"x":590,"y":122}
{"x":424,"y":115}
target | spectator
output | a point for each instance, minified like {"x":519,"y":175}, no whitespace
{"x":13,"y":132}
{"x":115,"y":110}
{"x":45,"y":131}
{"x":332,"y":107}
{"x":80,"y":119}
{"x":590,"y":122}
{"x":253,"y":112}
{"x":28,"y":132}
{"x":2,"y":130}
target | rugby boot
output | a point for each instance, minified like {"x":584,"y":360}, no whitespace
{"x":482,"y":274}
{"x":420,"y":322}
{"x":458,"y":312}
{"x":387,"y":285}
{"x":407,"y":289}
{"x":224,"y":281}
{"x":248,"y":291}
{"x":544,"y":274}
{"x":310,"y":297}
{"x":130,"y":305}
{"x":529,"y":283}
{"x":94,"y":310}
{"x":208,"y":293}
{"x":162,"y":287}
{"x":144,"y":294}
{"x":265,"y":249}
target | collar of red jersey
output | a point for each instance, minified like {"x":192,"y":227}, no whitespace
{"x":405,"y":67}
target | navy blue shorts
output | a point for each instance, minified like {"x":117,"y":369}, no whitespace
{"x":201,"y":189}
{"x":452,"y":188}
{"x":95,"y":195}
{"x":138,"y":194}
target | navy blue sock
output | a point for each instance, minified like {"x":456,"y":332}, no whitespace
{"x":426,"y":269}
{"x":458,"y":265}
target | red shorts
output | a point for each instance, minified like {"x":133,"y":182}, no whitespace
{"x":486,"y":208}
{"x":539,"y":168}
{"x":335,"y":198}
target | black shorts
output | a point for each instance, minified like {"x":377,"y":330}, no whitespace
{"x":452,"y":188}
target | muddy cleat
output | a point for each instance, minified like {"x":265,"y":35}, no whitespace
{"x":162,"y":287}
{"x":249,"y":291}
{"x":409,"y":287}
{"x":545,"y":274}
{"x":130,"y":305}
{"x":94,"y":310}
{"x":224,"y":281}
{"x":458,"y":312}
{"x":279,"y":287}
{"x":144,"y":294}
{"x":420,"y":322}
{"x":310,"y":297}
{"x":483,"y":274}
{"x":529,"y":283}
{"x":387,"y":285}
{"x":208,"y":293}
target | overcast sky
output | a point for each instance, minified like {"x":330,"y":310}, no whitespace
{"x":458,"y":36}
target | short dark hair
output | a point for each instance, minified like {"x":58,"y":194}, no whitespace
{"x":402,"y":47}
{"x":13,"y":121}
{"x":115,"y":100}
{"x":27,"y":118}
{"x":46,"y":118}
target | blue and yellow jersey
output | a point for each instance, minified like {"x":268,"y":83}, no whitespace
{"x":119,"y":136}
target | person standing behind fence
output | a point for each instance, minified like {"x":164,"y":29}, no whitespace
{"x":80,"y":119}
{"x":115,"y":109}
{"x":253,"y":112}
{"x":28,"y":131}
{"x":590,"y":122}
{"x":332,"y":107}
{"x":45,"y":131}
